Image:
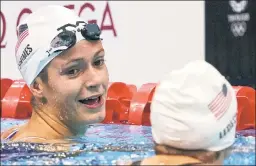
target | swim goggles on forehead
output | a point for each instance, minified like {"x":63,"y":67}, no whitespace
{"x":68,"y":38}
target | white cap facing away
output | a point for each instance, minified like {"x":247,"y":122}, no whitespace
{"x":35,"y":35}
{"x":194,"y":108}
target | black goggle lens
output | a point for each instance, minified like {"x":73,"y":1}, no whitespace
{"x":91,"y":32}
{"x":68,"y":38}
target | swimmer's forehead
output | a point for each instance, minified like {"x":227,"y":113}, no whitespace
{"x":71,"y":56}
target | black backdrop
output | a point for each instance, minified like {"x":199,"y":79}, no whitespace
{"x":230,"y":31}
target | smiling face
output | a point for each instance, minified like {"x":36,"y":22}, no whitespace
{"x":77,"y":85}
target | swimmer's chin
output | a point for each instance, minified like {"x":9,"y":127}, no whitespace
{"x":90,"y":119}
{"x":81,"y":130}
{"x":100,"y":117}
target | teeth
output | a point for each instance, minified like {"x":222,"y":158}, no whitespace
{"x":92,"y":98}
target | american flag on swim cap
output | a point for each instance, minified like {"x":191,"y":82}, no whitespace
{"x":221,"y":102}
{"x":22,"y":34}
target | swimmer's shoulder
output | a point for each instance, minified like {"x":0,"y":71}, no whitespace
{"x":168,"y":160}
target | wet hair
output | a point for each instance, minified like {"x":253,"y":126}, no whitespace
{"x":203,"y":155}
{"x":44,"y":77}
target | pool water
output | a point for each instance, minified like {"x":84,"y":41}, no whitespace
{"x":109,"y":145}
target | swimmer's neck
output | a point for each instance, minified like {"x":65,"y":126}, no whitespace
{"x":48,"y":126}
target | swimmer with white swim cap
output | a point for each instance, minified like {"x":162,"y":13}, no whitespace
{"x":193,"y":117}
{"x":62,"y":60}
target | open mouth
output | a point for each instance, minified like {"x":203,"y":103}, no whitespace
{"x":92,"y":102}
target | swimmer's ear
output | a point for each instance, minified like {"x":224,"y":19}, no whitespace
{"x":37,"y":88}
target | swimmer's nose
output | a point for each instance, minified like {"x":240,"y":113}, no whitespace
{"x":93,"y":87}
{"x":93,"y":81}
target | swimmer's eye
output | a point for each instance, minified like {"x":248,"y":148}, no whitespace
{"x":72,"y":72}
{"x":99,"y":62}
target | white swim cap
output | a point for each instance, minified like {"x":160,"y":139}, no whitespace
{"x":36,"y":33}
{"x":194,"y":108}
